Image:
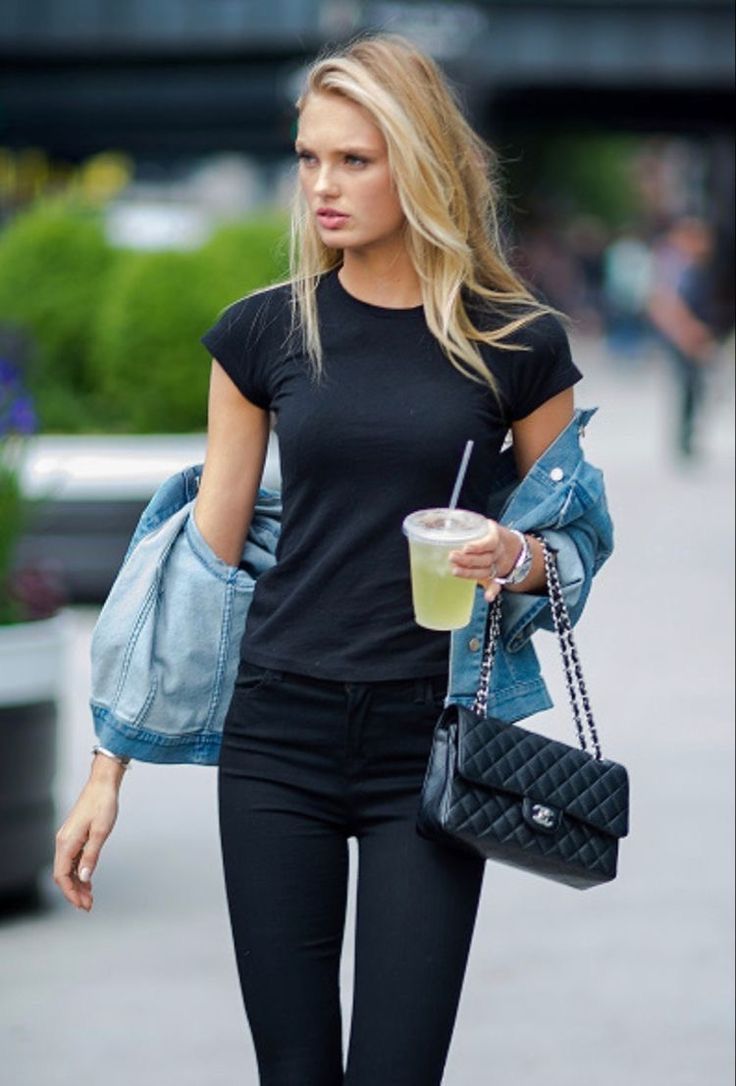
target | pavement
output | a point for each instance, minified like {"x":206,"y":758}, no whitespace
{"x":628,"y":984}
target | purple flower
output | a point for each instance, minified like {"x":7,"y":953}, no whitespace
{"x":22,"y":417}
{"x":17,"y":415}
{"x":8,"y":373}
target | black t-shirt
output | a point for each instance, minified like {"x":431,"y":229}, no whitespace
{"x":380,"y":435}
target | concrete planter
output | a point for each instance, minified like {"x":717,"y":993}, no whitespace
{"x":91,"y":490}
{"x":32,"y":664}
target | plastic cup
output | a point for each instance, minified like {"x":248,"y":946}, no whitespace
{"x":441,"y":600}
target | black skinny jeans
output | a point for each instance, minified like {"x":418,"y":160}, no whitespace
{"x":305,"y":765}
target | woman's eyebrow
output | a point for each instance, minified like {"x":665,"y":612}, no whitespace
{"x":350,"y":149}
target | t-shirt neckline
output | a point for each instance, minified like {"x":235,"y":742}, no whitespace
{"x":368,"y":308}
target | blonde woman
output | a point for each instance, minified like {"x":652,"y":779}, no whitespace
{"x":401,"y":334}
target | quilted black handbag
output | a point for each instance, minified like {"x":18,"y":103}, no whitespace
{"x":512,"y":795}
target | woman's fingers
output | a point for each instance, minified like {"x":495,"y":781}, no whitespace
{"x":475,"y":564}
{"x":489,"y":541}
{"x":480,"y":558}
{"x":69,"y":851}
{"x":491,"y":590}
{"x":80,"y":840}
{"x":485,"y":558}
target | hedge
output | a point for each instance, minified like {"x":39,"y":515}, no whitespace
{"x":149,"y":363}
{"x":115,"y":333}
{"x":54,"y":270}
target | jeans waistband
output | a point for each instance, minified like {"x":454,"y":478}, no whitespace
{"x":425,"y":688}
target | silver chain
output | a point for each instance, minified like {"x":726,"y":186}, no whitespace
{"x":493,"y":632}
{"x":576,"y":689}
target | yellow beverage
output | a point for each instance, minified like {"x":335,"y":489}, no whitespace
{"x":442,"y":601}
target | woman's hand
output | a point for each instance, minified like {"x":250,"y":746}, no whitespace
{"x":491,"y":556}
{"x":85,"y":830}
{"x":495,"y":554}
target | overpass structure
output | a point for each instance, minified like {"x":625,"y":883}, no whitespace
{"x":185,"y":77}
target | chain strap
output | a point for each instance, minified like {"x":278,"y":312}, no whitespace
{"x":576,"y":689}
{"x":493,"y":632}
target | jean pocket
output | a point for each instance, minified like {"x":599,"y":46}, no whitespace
{"x":252,"y":677}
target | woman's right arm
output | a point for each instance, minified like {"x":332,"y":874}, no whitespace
{"x":237,"y":439}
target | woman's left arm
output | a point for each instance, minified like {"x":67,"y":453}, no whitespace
{"x":496,"y":554}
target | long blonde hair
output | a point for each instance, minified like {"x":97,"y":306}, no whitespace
{"x":445,"y":176}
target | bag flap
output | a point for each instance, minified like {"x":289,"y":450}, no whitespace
{"x":492,"y":754}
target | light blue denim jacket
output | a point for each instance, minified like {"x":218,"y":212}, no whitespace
{"x":166,"y":646}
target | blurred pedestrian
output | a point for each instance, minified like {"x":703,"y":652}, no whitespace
{"x":586,"y":237}
{"x":627,"y":270}
{"x":401,"y":334}
{"x":682,"y":308}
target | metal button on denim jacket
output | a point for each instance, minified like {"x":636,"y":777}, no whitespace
{"x":166,"y":646}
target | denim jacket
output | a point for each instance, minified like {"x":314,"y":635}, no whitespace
{"x":166,"y":646}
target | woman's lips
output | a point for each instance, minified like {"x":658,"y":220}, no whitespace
{"x":332,"y":220}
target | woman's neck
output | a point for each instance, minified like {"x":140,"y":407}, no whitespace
{"x":388,"y":281}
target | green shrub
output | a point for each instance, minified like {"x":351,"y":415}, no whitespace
{"x":11,"y":513}
{"x":241,"y":257}
{"x":149,"y":365}
{"x":114,"y":334}
{"x":54,"y":268}
{"x":146,"y":360}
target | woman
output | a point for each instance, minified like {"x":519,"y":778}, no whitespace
{"x":401,"y":334}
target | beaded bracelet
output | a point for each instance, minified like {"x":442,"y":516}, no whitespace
{"x":124,"y":762}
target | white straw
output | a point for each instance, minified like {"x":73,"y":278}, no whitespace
{"x":461,"y":475}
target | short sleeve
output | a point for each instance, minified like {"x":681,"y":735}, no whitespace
{"x":238,"y":343}
{"x":535,"y":375}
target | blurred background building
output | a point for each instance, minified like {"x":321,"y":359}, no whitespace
{"x":568,"y":93}
{"x":146,"y":163}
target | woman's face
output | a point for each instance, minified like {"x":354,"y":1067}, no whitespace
{"x":345,"y":176}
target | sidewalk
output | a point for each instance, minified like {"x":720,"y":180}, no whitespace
{"x":626,"y":985}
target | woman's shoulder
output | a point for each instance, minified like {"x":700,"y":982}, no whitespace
{"x":542,"y":331}
{"x":545,"y":333}
{"x":536,"y":364}
{"x":253,"y":315}
{"x":249,"y":333}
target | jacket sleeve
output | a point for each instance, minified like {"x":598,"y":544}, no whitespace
{"x":582,"y":537}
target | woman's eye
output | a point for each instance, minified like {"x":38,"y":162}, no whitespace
{"x":350,"y":160}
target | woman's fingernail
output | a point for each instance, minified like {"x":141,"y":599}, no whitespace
{"x":84,"y":874}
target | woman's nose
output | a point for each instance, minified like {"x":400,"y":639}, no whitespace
{"x":325,"y":184}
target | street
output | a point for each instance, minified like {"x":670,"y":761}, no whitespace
{"x":628,"y":984}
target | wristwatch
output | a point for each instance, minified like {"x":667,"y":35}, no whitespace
{"x":520,"y":569}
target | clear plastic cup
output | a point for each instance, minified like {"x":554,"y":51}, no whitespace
{"x":442,"y":601}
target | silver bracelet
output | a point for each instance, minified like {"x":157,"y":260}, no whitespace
{"x":124,"y":762}
{"x":520,"y":569}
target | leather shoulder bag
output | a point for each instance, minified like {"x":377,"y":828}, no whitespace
{"x":508,"y":794}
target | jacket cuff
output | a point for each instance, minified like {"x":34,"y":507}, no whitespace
{"x":523,"y":613}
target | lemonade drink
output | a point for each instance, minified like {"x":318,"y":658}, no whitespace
{"x":442,"y":601}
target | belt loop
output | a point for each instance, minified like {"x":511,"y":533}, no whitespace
{"x":423,"y":691}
